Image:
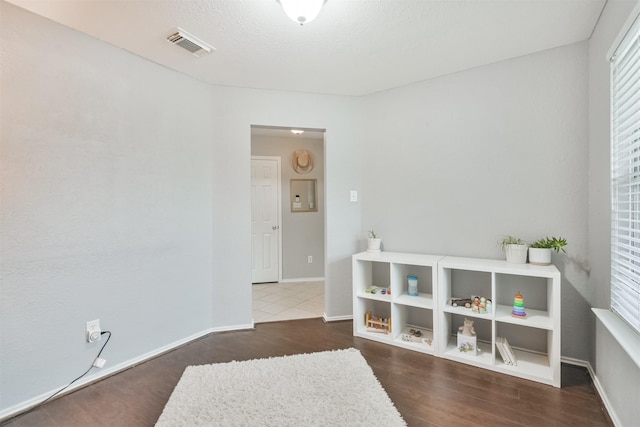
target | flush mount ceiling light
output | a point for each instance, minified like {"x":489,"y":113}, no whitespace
{"x":302,"y":11}
{"x":297,"y":131}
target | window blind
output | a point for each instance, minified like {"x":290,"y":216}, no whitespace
{"x":625,"y":177}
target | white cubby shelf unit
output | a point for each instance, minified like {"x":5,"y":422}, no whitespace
{"x":389,"y":270}
{"x":535,"y":340}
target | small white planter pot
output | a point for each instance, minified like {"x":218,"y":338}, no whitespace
{"x":374,"y":245}
{"x":516,"y":254}
{"x":540,"y":256}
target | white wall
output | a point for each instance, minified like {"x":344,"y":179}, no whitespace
{"x":106,"y":204}
{"x":617,"y":374}
{"x":126,"y":197}
{"x":454,"y":163}
{"x":302,"y":232}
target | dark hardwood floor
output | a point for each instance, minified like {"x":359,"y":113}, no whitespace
{"x":428,"y":391}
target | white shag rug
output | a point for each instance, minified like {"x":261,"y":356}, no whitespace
{"x":331,"y":388}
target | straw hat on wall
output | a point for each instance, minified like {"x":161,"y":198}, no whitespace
{"x":302,"y":161}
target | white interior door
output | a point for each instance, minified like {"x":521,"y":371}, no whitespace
{"x":265,"y":219}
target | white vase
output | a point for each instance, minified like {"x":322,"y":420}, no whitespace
{"x":373,"y":245}
{"x":516,"y":254}
{"x":540,"y":256}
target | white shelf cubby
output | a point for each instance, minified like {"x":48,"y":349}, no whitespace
{"x":389,"y":270}
{"x":535,"y":339}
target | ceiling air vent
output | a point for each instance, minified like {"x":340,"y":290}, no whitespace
{"x":186,"y":41}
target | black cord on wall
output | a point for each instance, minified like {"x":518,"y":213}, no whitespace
{"x":37,"y":405}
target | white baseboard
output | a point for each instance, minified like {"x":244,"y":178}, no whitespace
{"x":597,"y":385}
{"x":303,"y":279}
{"x":228,"y":329}
{"x":27,"y":404}
{"x":577,"y":362}
{"x":328,"y":319}
{"x":605,"y":400}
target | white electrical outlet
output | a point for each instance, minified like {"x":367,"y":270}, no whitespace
{"x":93,"y":330}
{"x":310,"y":259}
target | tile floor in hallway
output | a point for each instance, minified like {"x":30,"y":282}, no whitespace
{"x":287,"y":301}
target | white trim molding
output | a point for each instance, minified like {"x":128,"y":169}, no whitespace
{"x":328,"y":319}
{"x":303,"y":279}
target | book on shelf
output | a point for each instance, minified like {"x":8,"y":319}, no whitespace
{"x":510,"y":352}
{"x":506,"y":352}
{"x":502,"y":351}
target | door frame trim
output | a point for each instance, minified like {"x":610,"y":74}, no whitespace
{"x":278,"y":160}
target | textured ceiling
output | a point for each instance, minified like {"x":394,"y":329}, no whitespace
{"x":355,"y":47}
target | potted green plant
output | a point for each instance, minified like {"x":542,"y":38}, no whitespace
{"x":515,"y":249}
{"x":374,"y":242}
{"x":540,"y":250}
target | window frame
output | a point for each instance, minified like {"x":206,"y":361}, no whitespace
{"x":625,"y":173}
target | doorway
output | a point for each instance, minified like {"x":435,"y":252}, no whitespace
{"x":298,"y":291}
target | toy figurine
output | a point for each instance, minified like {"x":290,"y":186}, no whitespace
{"x":467,"y":328}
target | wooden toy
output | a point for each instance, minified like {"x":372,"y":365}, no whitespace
{"x":377,"y":324}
